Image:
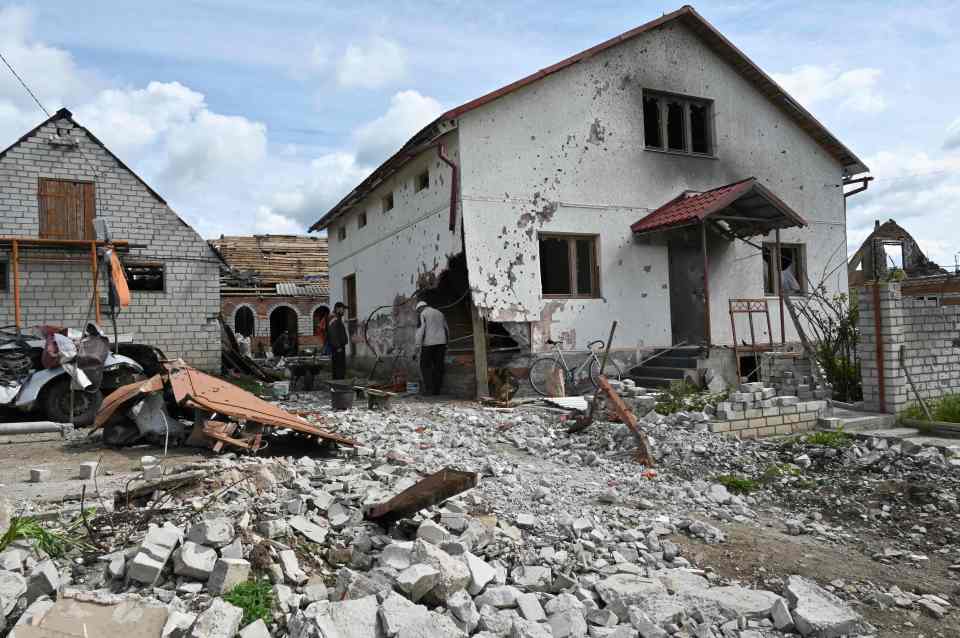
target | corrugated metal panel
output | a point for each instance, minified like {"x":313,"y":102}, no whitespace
{"x":292,"y":289}
{"x":569,"y":403}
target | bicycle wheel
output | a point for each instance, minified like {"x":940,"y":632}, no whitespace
{"x":541,"y":373}
{"x":612,"y":371}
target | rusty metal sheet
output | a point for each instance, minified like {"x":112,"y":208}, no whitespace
{"x":197,"y":389}
{"x":125,"y":395}
{"x":433,"y":489}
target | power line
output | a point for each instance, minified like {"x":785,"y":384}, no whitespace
{"x":24,"y":85}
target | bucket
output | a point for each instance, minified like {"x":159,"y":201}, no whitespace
{"x":341,"y":398}
{"x":280,"y":389}
{"x":413,"y":387}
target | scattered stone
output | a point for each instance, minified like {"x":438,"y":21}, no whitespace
{"x":194,"y":560}
{"x":227,"y":573}
{"x":39,"y":475}
{"x":417,"y":580}
{"x":219,"y":620}
{"x":88,"y":469}
{"x":819,"y":613}
{"x":212,"y":532}
{"x":12,"y":587}
{"x":154,"y":552}
{"x":256,"y":629}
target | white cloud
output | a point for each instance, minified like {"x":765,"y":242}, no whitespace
{"x":854,"y":90}
{"x":409,"y":112}
{"x":919,"y":192}
{"x":952,"y":141}
{"x":266,"y":221}
{"x":376,"y":63}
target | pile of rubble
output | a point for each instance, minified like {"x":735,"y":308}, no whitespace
{"x":564,"y":536}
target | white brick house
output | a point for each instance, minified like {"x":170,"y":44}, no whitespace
{"x":54,"y":181}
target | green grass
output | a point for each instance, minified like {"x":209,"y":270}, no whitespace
{"x":55,"y":544}
{"x":255,"y":598}
{"x":779,"y":470}
{"x":946,"y":408}
{"x":737,"y":484}
{"x":836,"y":439}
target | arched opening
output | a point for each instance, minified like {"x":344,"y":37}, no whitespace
{"x":283,"y":321}
{"x":243,"y":321}
{"x":319,"y":321}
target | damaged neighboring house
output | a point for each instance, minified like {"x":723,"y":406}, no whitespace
{"x":654,"y":179}
{"x":61,"y":188}
{"x":889,"y":247}
{"x":272,"y":284}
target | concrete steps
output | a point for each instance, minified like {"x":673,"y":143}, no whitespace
{"x":860,"y":423}
{"x":666,"y":367}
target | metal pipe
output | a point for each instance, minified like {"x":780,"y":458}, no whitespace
{"x":37,"y":427}
{"x":783,"y":338}
{"x":454,"y":184}
{"x":706,"y":283}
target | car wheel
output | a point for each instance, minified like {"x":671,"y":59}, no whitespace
{"x":56,"y":402}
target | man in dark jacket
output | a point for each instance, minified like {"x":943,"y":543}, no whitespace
{"x":338,"y":338}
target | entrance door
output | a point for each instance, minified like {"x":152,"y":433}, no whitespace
{"x":687,"y":298}
{"x":284,"y":319}
{"x":350,"y":298}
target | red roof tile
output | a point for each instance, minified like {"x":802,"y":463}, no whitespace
{"x":687,"y":208}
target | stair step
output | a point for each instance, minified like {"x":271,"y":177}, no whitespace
{"x":651,"y":382}
{"x":858,"y":424}
{"x":657,"y":371}
{"x":674,"y":361}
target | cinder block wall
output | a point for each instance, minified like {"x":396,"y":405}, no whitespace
{"x":926,"y":329}
{"x":56,"y":286}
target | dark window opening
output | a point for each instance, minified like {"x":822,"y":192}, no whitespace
{"x":3,"y":277}
{"x":341,"y":232}
{"x":145,"y":277}
{"x":675,"y":126}
{"x":792,"y":272}
{"x":568,"y":266}
{"x":422,"y":181}
{"x":243,"y":321}
{"x":66,"y":209}
{"x":387,"y":202}
{"x":750,"y":366}
{"x":651,"y":122}
{"x":362,"y":220}
{"x":320,"y":321}
{"x":699,"y":138}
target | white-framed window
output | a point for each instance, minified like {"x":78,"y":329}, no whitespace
{"x":568,"y":265}
{"x":678,"y":124}
{"x":792,"y":273}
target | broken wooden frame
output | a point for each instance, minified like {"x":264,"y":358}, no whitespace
{"x":749,"y":307}
{"x":431,"y":490}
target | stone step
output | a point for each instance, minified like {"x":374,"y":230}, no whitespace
{"x":857,"y":423}
{"x":658,"y":371}
{"x":674,"y":361}
{"x":651,"y":382}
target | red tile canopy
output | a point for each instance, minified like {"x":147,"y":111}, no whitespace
{"x":747,"y":206}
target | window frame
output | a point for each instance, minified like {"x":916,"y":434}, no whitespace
{"x":134,"y":263}
{"x":362,"y":219}
{"x":571,"y":239}
{"x":774,"y":277}
{"x":421,"y":181}
{"x":662,"y":99}
{"x":389,"y":197}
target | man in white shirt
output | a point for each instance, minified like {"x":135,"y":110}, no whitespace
{"x":431,"y":339}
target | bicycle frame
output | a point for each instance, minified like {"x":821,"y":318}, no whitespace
{"x":567,"y":371}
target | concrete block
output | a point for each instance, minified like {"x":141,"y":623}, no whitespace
{"x":194,"y":560}
{"x":256,"y":629}
{"x":39,"y":475}
{"x":227,"y":573}
{"x":88,"y":470}
{"x":219,"y":620}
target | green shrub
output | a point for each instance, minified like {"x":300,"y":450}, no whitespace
{"x":682,"y":396}
{"x":737,"y":484}
{"x":779,"y":470}
{"x":829,"y":438}
{"x":946,"y":408}
{"x":55,"y":543}
{"x":254,"y":597}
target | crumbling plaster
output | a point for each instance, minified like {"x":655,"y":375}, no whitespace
{"x":566,"y":154}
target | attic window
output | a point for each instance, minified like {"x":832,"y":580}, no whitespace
{"x":387,"y":202}
{"x":362,"y":219}
{"x":341,"y":232}
{"x":422,"y":182}
{"x":677,"y":124}
{"x":144,"y":276}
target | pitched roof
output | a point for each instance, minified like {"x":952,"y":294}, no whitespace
{"x":690,"y":208}
{"x":687,"y":16}
{"x":65,"y":113}
{"x":275,"y":259}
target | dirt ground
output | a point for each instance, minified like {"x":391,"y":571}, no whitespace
{"x":754,"y":554}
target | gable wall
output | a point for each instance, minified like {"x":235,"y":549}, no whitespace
{"x":567,"y":154}
{"x":180,"y":321}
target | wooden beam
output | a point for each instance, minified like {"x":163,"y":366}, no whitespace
{"x":706,"y":283}
{"x":479,"y":350}
{"x":627,"y":416}
{"x":783,"y":338}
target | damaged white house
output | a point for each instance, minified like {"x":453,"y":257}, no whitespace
{"x":647,"y":179}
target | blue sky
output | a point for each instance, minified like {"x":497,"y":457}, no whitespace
{"x":255,"y":117}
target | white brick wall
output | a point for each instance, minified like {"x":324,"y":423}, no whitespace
{"x":181,"y":320}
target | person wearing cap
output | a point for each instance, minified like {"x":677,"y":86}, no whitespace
{"x":338,"y":338}
{"x":431,"y":339}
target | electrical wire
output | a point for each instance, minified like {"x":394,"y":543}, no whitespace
{"x":24,"y":85}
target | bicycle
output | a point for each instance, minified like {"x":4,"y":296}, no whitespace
{"x":545,"y":368}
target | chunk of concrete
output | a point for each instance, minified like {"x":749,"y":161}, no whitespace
{"x":622,"y":591}
{"x":453,"y":574}
{"x":12,"y":587}
{"x":39,"y":475}
{"x":291,"y":567}
{"x":461,"y":605}
{"x":397,"y":612}
{"x":212,"y":532}
{"x":499,"y":597}
{"x":352,"y":619}
{"x":88,"y":470}
{"x":308,"y":529}
{"x":751,"y":603}
{"x":481,"y":573}
{"x":530,"y":607}
{"x":781,"y":616}
{"x":44,"y":579}
{"x":532,"y":577}
{"x":569,"y":623}
{"x":397,"y":555}
{"x":227,"y":573}
{"x":417,"y":580}
{"x":256,"y":629}
{"x":432,"y":533}
{"x":194,"y":560}
{"x":522,"y":628}
{"x":154,"y":553}
{"x":178,"y":625}
{"x":219,"y":620}
{"x":818,"y":613}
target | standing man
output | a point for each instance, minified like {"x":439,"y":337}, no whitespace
{"x":431,"y":339}
{"x":338,"y":338}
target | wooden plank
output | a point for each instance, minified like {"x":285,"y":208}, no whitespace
{"x":89,"y":209}
{"x":627,"y":416}
{"x":433,"y":489}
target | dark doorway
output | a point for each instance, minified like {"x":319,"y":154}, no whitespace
{"x":284,"y":319}
{"x":350,"y":298}
{"x":687,"y":298}
{"x":319,"y":318}
{"x":243,"y":321}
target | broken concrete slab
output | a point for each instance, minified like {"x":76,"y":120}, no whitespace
{"x":71,"y":617}
{"x":219,"y":620}
{"x":481,"y":573}
{"x":308,"y":529}
{"x":352,"y":619}
{"x":212,"y":532}
{"x":417,"y":580}
{"x":154,"y":553}
{"x":256,"y":629}
{"x":622,"y":591}
{"x":818,"y":613}
{"x":12,"y":587}
{"x":452,"y":574}
{"x":227,"y":573}
{"x":396,"y":612}
{"x":750,"y":603}
{"x":194,"y":560}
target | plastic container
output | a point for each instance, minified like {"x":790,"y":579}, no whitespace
{"x":413,"y":387}
{"x":280,"y":389}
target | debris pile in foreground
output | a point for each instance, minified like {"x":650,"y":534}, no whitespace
{"x":564,"y":536}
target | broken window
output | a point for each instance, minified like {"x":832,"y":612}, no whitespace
{"x":144,"y":276}
{"x":568,"y":265}
{"x":676,"y":123}
{"x":341,"y":232}
{"x":362,"y":219}
{"x":243,"y":321}
{"x":66,"y":209}
{"x":792,"y":272}
{"x":651,"y":122}
{"x":387,"y":202}
{"x":422,"y":181}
